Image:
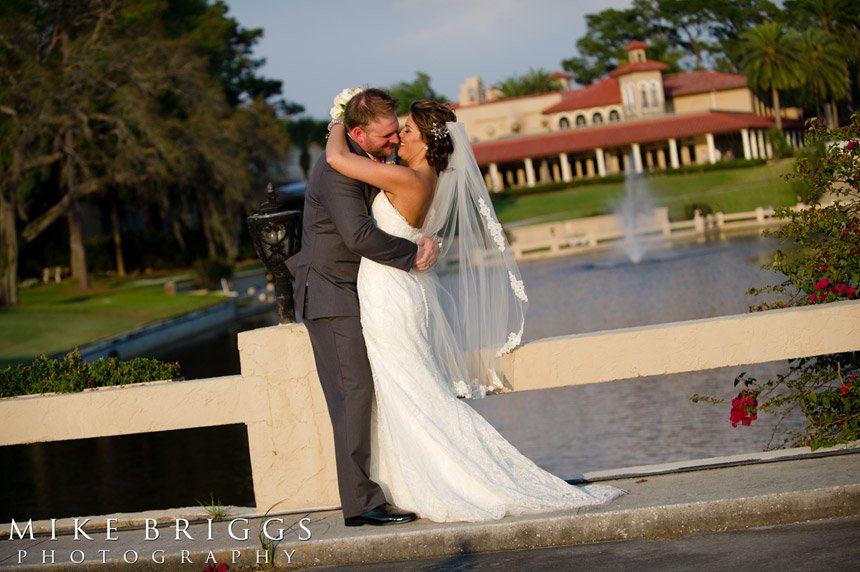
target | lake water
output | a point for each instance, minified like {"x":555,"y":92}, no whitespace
{"x":568,"y":431}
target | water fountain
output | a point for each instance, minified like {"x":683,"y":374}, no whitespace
{"x":634,"y":212}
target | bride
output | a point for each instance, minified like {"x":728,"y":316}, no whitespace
{"x":434,"y":336}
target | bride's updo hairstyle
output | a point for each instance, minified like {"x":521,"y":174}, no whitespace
{"x":430,"y":118}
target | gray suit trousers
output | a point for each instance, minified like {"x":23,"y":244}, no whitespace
{"x":347,"y":382}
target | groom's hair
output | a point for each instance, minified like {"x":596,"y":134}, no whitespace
{"x":367,"y":106}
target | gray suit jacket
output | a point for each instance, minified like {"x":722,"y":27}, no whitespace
{"x":337,"y":231}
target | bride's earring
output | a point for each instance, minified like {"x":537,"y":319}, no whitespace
{"x":426,"y":148}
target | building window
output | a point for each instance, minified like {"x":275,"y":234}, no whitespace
{"x":564,"y":123}
{"x":655,"y":95}
{"x":629,"y":100}
{"x":597,"y":118}
{"x":643,"y":92}
{"x":614,"y":116}
{"x":580,"y":120}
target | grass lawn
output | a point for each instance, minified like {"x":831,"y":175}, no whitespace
{"x":55,"y":318}
{"x":728,"y":191}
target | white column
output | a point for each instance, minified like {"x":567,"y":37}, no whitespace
{"x":712,"y":150}
{"x":566,"y":175}
{"x":673,"y":153}
{"x":762,"y":150}
{"x":530,"y":172}
{"x":768,"y":148}
{"x":745,"y":138}
{"x":753,"y":145}
{"x":495,"y":179}
{"x":637,"y":159}
{"x":601,"y":162}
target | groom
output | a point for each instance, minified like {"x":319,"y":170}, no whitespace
{"x":337,"y":232}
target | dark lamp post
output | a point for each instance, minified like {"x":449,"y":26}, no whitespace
{"x":277,"y":235}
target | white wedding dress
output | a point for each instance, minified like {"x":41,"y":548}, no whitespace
{"x":431,"y":452}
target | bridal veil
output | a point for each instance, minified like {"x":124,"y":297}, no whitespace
{"x":482,"y":295}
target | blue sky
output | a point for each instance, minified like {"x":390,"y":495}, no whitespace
{"x":318,"y":47}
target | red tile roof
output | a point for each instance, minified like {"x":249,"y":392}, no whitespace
{"x":619,"y":134}
{"x":635,"y":44}
{"x":638,"y":67}
{"x":700,"y":81}
{"x":602,"y":92}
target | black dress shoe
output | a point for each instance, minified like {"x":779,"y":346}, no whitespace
{"x":383,"y":514}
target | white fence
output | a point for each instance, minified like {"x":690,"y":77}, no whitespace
{"x":589,"y":233}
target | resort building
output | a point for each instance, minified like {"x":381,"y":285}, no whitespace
{"x":638,"y":117}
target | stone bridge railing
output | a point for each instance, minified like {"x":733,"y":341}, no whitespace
{"x":279,"y":399}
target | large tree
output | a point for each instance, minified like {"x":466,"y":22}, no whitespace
{"x":407,"y":92}
{"x":825,"y":71}
{"x":602,"y":48}
{"x":682,"y":33}
{"x":840,"y":20}
{"x":104,"y":96}
{"x":772,"y":60}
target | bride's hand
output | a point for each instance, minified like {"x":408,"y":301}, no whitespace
{"x":428,"y":253}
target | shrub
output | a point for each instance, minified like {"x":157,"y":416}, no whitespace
{"x":822,"y":267}
{"x":73,"y":374}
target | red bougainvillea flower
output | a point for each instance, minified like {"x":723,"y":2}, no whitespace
{"x":222,"y":567}
{"x":822,"y":284}
{"x":208,"y":568}
{"x":846,"y":387}
{"x":744,"y":408}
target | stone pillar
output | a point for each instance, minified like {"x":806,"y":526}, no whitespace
{"x":495,"y":179}
{"x":762,"y":150}
{"x":589,"y":168}
{"x":673,"y":153}
{"x":521,"y":178}
{"x":637,"y":159}
{"x":745,"y":138}
{"x":530,"y":172}
{"x":578,"y":165}
{"x":712,"y":150}
{"x":565,"y":168}
{"x":753,"y":145}
{"x":601,"y":162}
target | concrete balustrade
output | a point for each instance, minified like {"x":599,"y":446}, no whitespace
{"x":279,"y":399}
{"x":546,"y":240}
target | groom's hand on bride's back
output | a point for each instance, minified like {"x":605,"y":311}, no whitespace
{"x":428,"y":252}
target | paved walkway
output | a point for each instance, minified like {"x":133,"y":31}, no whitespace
{"x":664,"y":502}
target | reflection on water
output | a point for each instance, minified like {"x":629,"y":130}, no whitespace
{"x":130,"y":473}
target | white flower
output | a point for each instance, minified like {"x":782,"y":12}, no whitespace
{"x":340,"y":101}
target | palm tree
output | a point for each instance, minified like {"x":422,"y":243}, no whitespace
{"x":772,"y":60}
{"x":825,"y":70}
{"x":536,"y":81}
{"x":840,"y":20}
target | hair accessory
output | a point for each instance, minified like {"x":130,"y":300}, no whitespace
{"x":439,"y":131}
